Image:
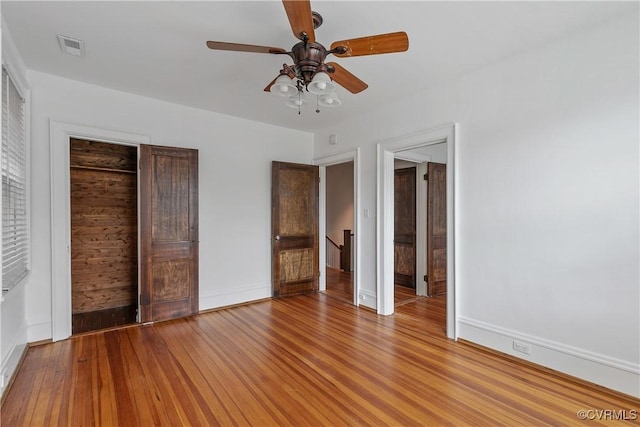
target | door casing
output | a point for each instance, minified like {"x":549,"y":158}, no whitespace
{"x":386,"y":150}
{"x":59,"y":135}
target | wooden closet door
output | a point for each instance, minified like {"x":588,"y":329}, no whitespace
{"x":294,"y":223}
{"x":168,"y":232}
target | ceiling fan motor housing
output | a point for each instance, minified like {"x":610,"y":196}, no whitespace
{"x":308,"y":58}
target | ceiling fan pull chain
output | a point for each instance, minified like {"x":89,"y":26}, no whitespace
{"x":317,"y":104}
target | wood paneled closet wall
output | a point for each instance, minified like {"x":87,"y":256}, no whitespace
{"x":104,"y":234}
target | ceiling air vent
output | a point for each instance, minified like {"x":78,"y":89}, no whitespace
{"x":71,"y":46}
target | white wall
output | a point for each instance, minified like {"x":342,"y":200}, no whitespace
{"x":234,"y":176}
{"x":339,"y":200}
{"x":548,"y":192}
{"x":13,"y":319}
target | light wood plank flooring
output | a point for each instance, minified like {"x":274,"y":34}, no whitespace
{"x":300,"y":361}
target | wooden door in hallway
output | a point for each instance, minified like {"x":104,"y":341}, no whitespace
{"x":436,"y":229}
{"x":294,"y":227}
{"x":168,"y":232}
{"x":404,"y":235}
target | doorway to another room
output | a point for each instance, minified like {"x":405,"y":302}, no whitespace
{"x":340,"y":238}
{"x":420,"y":231}
{"x":439,"y":266}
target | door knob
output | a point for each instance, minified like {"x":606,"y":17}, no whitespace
{"x":277,"y":237}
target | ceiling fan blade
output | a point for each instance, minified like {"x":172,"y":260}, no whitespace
{"x":373,"y":45}
{"x":300,"y":18}
{"x":238,"y":47}
{"x":347,"y":80}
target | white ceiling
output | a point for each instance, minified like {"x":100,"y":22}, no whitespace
{"x":157,"y":48}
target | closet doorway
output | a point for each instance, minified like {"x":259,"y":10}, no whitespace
{"x":104,"y":234}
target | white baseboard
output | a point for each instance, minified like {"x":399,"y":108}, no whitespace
{"x":368,"y":299}
{"x":236,"y":296}
{"x":11,"y":361}
{"x":39,"y":331}
{"x":9,"y":368}
{"x":616,"y":374}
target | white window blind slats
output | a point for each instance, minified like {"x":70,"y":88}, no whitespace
{"x":15,"y":234}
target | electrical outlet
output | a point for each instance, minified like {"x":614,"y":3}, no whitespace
{"x":521,"y":347}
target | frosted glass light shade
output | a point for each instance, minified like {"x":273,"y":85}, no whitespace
{"x":321,"y":84}
{"x":296,"y":101}
{"x":283,"y":86}
{"x":329,"y":100}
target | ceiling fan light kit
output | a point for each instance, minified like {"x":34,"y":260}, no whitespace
{"x":321,"y":84}
{"x":309,"y":72}
{"x":329,"y":100}
{"x":283,"y":86}
{"x":296,"y":101}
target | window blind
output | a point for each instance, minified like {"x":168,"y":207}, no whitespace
{"x":15,"y":236}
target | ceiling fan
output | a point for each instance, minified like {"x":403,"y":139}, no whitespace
{"x":309,"y":70}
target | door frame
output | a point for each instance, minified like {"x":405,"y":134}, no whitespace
{"x":386,"y":150}
{"x":323,"y":162}
{"x":59,"y":135}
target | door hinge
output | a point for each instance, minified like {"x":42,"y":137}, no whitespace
{"x":425,"y":278}
{"x":426,"y":177}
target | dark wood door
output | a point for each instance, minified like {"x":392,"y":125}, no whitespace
{"x":104,"y":234}
{"x":294,"y":225}
{"x":404,"y":231}
{"x":436,"y":229}
{"x":168,"y":232}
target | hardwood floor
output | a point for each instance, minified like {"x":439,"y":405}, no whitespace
{"x":302,"y":361}
{"x":340,"y":284}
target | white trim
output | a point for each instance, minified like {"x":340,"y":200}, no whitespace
{"x":15,"y":341}
{"x":386,"y":150}
{"x":237,"y":295}
{"x":601,"y":369}
{"x":323,"y":162}
{"x":39,"y":331}
{"x":412,"y":157}
{"x":59,"y":135}
{"x":10,"y":365}
{"x":13,"y":61}
{"x":368,"y":298}
{"x":322,"y":229}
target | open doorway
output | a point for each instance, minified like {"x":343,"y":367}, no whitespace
{"x":420,"y":232}
{"x":104,"y":234}
{"x":411,"y":146}
{"x":339,"y":236}
{"x":347,"y":164}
